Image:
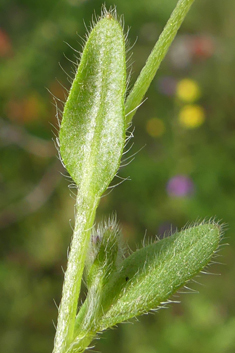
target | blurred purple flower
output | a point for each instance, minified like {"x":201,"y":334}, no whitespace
{"x":179,"y":186}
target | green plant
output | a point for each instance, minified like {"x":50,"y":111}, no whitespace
{"x":92,"y":137}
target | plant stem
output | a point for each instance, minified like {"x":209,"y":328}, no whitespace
{"x":85,"y":214}
{"x":158,"y":53}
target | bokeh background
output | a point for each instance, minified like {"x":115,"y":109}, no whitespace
{"x":184,"y":170}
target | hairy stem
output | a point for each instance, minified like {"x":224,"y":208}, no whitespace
{"x":72,"y":282}
{"x":155,"y":58}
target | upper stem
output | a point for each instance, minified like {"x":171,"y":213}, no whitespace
{"x":159,"y":51}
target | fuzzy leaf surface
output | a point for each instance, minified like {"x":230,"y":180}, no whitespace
{"x":150,"y":275}
{"x":92,"y":133}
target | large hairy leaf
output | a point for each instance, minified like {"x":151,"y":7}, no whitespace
{"x":92,"y":133}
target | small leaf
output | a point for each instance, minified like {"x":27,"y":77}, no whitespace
{"x":105,"y":253}
{"x":92,"y":133}
{"x":103,"y":258}
{"x":150,"y":275}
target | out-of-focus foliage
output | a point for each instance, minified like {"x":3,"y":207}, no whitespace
{"x":184,"y":170}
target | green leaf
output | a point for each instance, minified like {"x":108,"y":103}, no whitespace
{"x":92,"y":133}
{"x":103,"y":258}
{"x":105,"y":253}
{"x":150,"y":275}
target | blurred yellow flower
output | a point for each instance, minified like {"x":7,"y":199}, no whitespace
{"x":155,"y":127}
{"x":188,"y":90}
{"x":191,"y":116}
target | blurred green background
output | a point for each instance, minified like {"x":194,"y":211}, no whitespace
{"x":184,"y":170}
